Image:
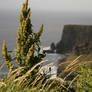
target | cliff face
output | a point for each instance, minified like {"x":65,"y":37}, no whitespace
{"x":74,"y":36}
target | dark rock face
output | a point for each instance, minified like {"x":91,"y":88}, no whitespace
{"x":52,"y":46}
{"x":73,"y":36}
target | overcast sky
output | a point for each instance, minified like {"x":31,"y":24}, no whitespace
{"x":49,"y":5}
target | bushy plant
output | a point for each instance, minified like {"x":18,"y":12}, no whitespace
{"x":28,"y":51}
{"x":84,"y":82}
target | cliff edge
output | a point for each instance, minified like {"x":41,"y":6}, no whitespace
{"x":75,"y":37}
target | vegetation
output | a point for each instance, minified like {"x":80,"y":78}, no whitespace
{"x":28,"y":51}
{"x":84,"y":83}
{"x":18,"y":81}
{"x":28,"y":76}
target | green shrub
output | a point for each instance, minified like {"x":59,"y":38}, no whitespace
{"x":28,"y":51}
{"x":84,"y":82}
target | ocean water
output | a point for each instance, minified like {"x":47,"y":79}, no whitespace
{"x":53,"y":27}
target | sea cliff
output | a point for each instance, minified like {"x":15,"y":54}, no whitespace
{"x":74,"y":36}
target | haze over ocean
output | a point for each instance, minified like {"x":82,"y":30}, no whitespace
{"x":53,"y":25}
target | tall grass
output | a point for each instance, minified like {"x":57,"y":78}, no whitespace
{"x":20,"y":81}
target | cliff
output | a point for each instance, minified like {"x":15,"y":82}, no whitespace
{"x":75,"y":36}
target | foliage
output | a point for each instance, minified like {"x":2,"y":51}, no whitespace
{"x":28,"y":51}
{"x":26,"y":82}
{"x":6,"y":56}
{"x":84,"y":82}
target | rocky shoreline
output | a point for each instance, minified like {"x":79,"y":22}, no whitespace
{"x":73,"y":36}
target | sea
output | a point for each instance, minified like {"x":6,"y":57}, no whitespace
{"x":53,"y":28}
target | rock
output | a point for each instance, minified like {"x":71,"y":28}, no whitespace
{"x":53,"y":47}
{"x":85,"y":48}
{"x":74,"y":36}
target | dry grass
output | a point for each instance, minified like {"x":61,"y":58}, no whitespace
{"x":39,"y":80}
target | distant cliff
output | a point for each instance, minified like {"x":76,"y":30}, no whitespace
{"x":75,"y":36}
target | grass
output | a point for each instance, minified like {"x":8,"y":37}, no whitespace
{"x":20,"y":81}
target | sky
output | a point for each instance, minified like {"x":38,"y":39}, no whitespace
{"x":49,"y":5}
